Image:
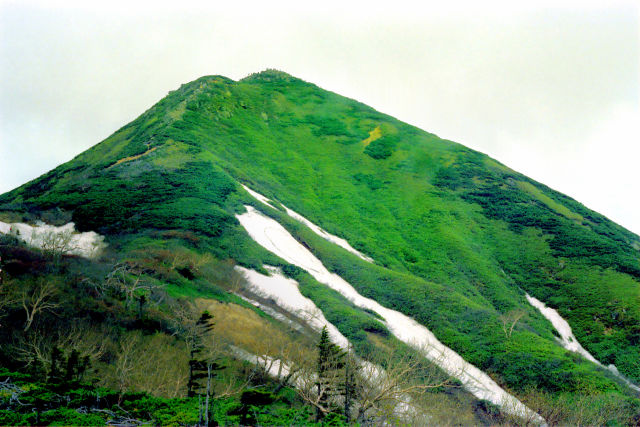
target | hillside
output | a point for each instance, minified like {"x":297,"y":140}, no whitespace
{"x":458,"y":243}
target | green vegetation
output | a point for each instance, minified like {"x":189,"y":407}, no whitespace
{"x":457,"y":238}
{"x":25,"y":400}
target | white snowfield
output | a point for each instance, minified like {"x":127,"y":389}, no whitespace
{"x":569,"y":341}
{"x":64,"y":238}
{"x":275,"y":238}
{"x":286,"y":295}
{"x":258,"y":196}
{"x":319,"y":231}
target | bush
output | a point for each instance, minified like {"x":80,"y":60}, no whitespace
{"x":382,"y":148}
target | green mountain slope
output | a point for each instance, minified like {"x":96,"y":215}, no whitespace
{"x":457,"y":237}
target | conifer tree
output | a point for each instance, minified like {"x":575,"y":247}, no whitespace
{"x":55,"y":371}
{"x":202,"y":367}
{"x":350,"y":369}
{"x":330,"y":364}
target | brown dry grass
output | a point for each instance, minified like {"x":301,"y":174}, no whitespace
{"x":130,"y":158}
{"x":244,"y":328}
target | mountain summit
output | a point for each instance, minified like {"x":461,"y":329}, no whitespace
{"x":439,"y":233}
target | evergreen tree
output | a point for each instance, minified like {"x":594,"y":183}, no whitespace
{"x":73,"y":365}
{"x":202,"y":367}
{"x":330,"y":364}
{"x":350,"y":369}
{"x":55,"y":371}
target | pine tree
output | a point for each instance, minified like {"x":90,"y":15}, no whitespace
{"x":55,"y":372}
{"x":350,"y":369}
{"x":201,"y":366}
{"x":330,"y":363}
{"x":73,"y":365}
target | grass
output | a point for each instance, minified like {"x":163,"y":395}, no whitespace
{"x":548,"y":201}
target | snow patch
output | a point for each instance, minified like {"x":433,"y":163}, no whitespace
{"x":68,"y":240}
{"x":258,"y":196}
{"x":327,"y":236}
{"x":286,"y":295}
{"x":319,"y":231}
{"x":569,"y":341}
{"x":275,"y":238}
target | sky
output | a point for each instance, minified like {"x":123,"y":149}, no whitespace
{"x":550,"y":89}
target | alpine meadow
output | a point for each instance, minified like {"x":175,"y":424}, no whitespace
{"x":266,"y":252}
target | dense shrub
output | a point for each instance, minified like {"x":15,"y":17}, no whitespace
{"x":382,"y":148}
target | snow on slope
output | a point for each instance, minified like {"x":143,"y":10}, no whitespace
{"x":568,"y":340}
{"x":87,"y":244}
{"x":275,"y":238}
{"x":285,"y":293}
{"x":319,"y":231}
{"x":327,"y":236}
{"x":276,"y":368}
{"x":258,"y":196}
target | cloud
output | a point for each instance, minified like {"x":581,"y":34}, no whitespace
{"x":534,"y":85}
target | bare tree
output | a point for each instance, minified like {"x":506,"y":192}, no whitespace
{"x":367,"y":392}
{"x":54,"y":243}
{"x":126,"y":281}
{"x":184,"y":324}
{"x":509,"y":321}
{"x":391,"y":393}
{"x":32,"y":348}
{"x":139,"y":364}
{"x":36,"y":345}
{"x":38,"y":300}
{"x":125,"y":362}
{"x":8,"y":296}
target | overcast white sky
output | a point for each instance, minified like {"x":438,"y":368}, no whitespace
{"x":551,"y":90}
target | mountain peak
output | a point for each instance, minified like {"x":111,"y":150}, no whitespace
{"x":459,"y":240}
{"x":270,"y":74}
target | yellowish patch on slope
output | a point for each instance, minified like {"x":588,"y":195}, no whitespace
{"x":539,"y":195}
{"x":243,"y":328}
{"x":130,"y":158}
{"x":179,"y":111}
{"x":174,"y":155}
{"x":373,"y":135}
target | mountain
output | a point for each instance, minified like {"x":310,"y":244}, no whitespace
{"x":436,"y":232}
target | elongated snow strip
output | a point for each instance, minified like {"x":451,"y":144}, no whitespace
{"x":276,"y":239}
{"x":286,"y":295}
{"x":319,"y":231}
{"x":88,"y":244}
{"x":258,"y":196}
{"x":569,"y":341}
